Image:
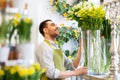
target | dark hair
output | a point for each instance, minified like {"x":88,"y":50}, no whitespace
{"x":43,"y":25}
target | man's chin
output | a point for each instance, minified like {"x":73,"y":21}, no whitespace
{"x":56,"y":35}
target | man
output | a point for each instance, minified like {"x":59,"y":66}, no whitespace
{"x":50,"y":56}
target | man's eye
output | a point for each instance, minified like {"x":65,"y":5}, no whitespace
{"x":53,"y":24}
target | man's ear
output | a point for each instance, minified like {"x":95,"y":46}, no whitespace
{"x":45,"y":31}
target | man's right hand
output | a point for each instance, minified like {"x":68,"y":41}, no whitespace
{"x":81,"y":71}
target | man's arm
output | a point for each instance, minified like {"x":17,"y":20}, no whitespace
{"x":79,"y":54}
{"x":77,"y":72}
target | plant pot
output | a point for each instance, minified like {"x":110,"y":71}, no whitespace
{"x":27,"y":52}
{"x":4,"y":53}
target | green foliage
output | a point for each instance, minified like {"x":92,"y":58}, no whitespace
{"x":106,"y":30}
{"x":4,"y":29}
{"x":67,"y":33}
{"x":62,"y":6}
{"x":23,"y":27}
{"x":106,"y":33}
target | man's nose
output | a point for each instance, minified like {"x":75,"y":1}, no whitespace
{"x":57,"y":26}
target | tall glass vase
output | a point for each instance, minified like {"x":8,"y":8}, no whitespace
{"x":94,"y":51}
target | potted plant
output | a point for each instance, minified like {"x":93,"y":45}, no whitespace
{"x":4,"y":49}
{"x":19,"y":72}
{"x":23,"y":25}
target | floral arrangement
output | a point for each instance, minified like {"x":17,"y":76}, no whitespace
{"x":23,"y":26}
{"x":62,"y":7}
{"x":18,"y":72}
{"x":88,"y":16}
{"x":67,"y":33}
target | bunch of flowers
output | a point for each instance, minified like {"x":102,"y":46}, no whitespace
{"x":23,"y":26}
{"x":67,"y":33}
{"x":88,"y":16}
{"x":18,"y":72}
{"x":60,"y":6}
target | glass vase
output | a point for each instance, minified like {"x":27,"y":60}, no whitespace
{"x":93,"y":50}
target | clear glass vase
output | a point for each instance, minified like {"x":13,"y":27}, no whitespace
{"x":96,"y":51}
{"x":93,"y":50}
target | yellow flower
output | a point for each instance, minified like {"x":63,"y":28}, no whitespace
{"x":43,"y":70}
{"x":18,"y":16}
{"x":23,"y":72}
{"x":1,"y":72}
{"x":70,"y":57}
{"x":15,"y":22}
{"x":56,"y":2}
{"x":27,"y":20}
{"x":62,"y":25}
{"x":37,"y":66}
{"x":65,"y":15}
{"x":17,"y":67}
{"x":7,"y":68}
{"x":12,"y":70}
{"x":64,"y":5}
{"x":76,"y":33}
{"x":31,"y":70}
{"x":51,"y":1}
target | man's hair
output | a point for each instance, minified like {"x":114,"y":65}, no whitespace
{"x":43,"y":25}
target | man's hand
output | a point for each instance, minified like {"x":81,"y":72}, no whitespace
{"x":77,"y":72}
{"x":81,"y":71}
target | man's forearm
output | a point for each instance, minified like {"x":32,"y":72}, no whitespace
{"x":77,"y":59}
{"x":66,"y":74}
{"x":76,"y":72}
{"x":79,"y":53}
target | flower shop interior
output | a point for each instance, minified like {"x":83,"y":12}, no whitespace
{"x":95,"y":21}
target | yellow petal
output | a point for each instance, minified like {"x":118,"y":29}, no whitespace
{"x":62,"y":25}
{"x":18,"y":15}
{"x":31,"y":70}
{"x":51,"y":1}
{"x":1,"y":72}
{"x":70,"y":57}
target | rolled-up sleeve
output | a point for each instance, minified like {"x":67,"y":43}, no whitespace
{"x":44,"y":55}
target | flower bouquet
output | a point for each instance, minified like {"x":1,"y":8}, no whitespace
{"x":18,"y":72}
{"x":88,"y":16}
{"x":23,"y":26}
{"x":69,"y":35}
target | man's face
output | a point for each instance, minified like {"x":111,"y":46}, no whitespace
{"x":52,"y":29}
